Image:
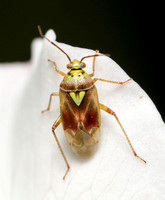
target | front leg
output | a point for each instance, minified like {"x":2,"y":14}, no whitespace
{"x":115,"y":82}
{"x":55,"y":66}
{"x":108,"y":110}
{"x":94,"y":59}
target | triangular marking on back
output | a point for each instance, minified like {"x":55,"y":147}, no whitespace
{"x":77,"y":96}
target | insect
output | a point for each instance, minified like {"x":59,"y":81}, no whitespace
{"x":80,"y":107}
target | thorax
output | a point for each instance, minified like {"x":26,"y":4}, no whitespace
{"x":76,"y":80}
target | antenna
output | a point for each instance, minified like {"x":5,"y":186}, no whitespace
{"x":94,"y":56}
{"x":43,"y":36}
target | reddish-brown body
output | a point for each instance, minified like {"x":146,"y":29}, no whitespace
{"x":81,"y":123}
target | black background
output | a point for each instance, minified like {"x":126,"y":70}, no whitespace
{"x":131,"y":31}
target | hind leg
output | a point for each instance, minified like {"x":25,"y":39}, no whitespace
{"x":55,"y":125}
{"x":108,"y":110}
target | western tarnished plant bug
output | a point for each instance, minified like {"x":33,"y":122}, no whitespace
{"x":80,"y":108}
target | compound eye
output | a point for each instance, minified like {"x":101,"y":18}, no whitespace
{"x":82,"y":65}
{"x":69,"y":66}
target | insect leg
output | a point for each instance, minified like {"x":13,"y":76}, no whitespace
{"x":55,"y":125}
{"x":50,"y":100}
{"x":94,"y":59}
{"x":55,"y":66}
{"x":116,"y":82}
{"x":108,"y":110}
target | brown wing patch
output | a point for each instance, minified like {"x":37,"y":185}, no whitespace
{"x":69,"y":111}
{"x":91,"y":119}
{"x":70,"y":122}
{"x":89,"y":109}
